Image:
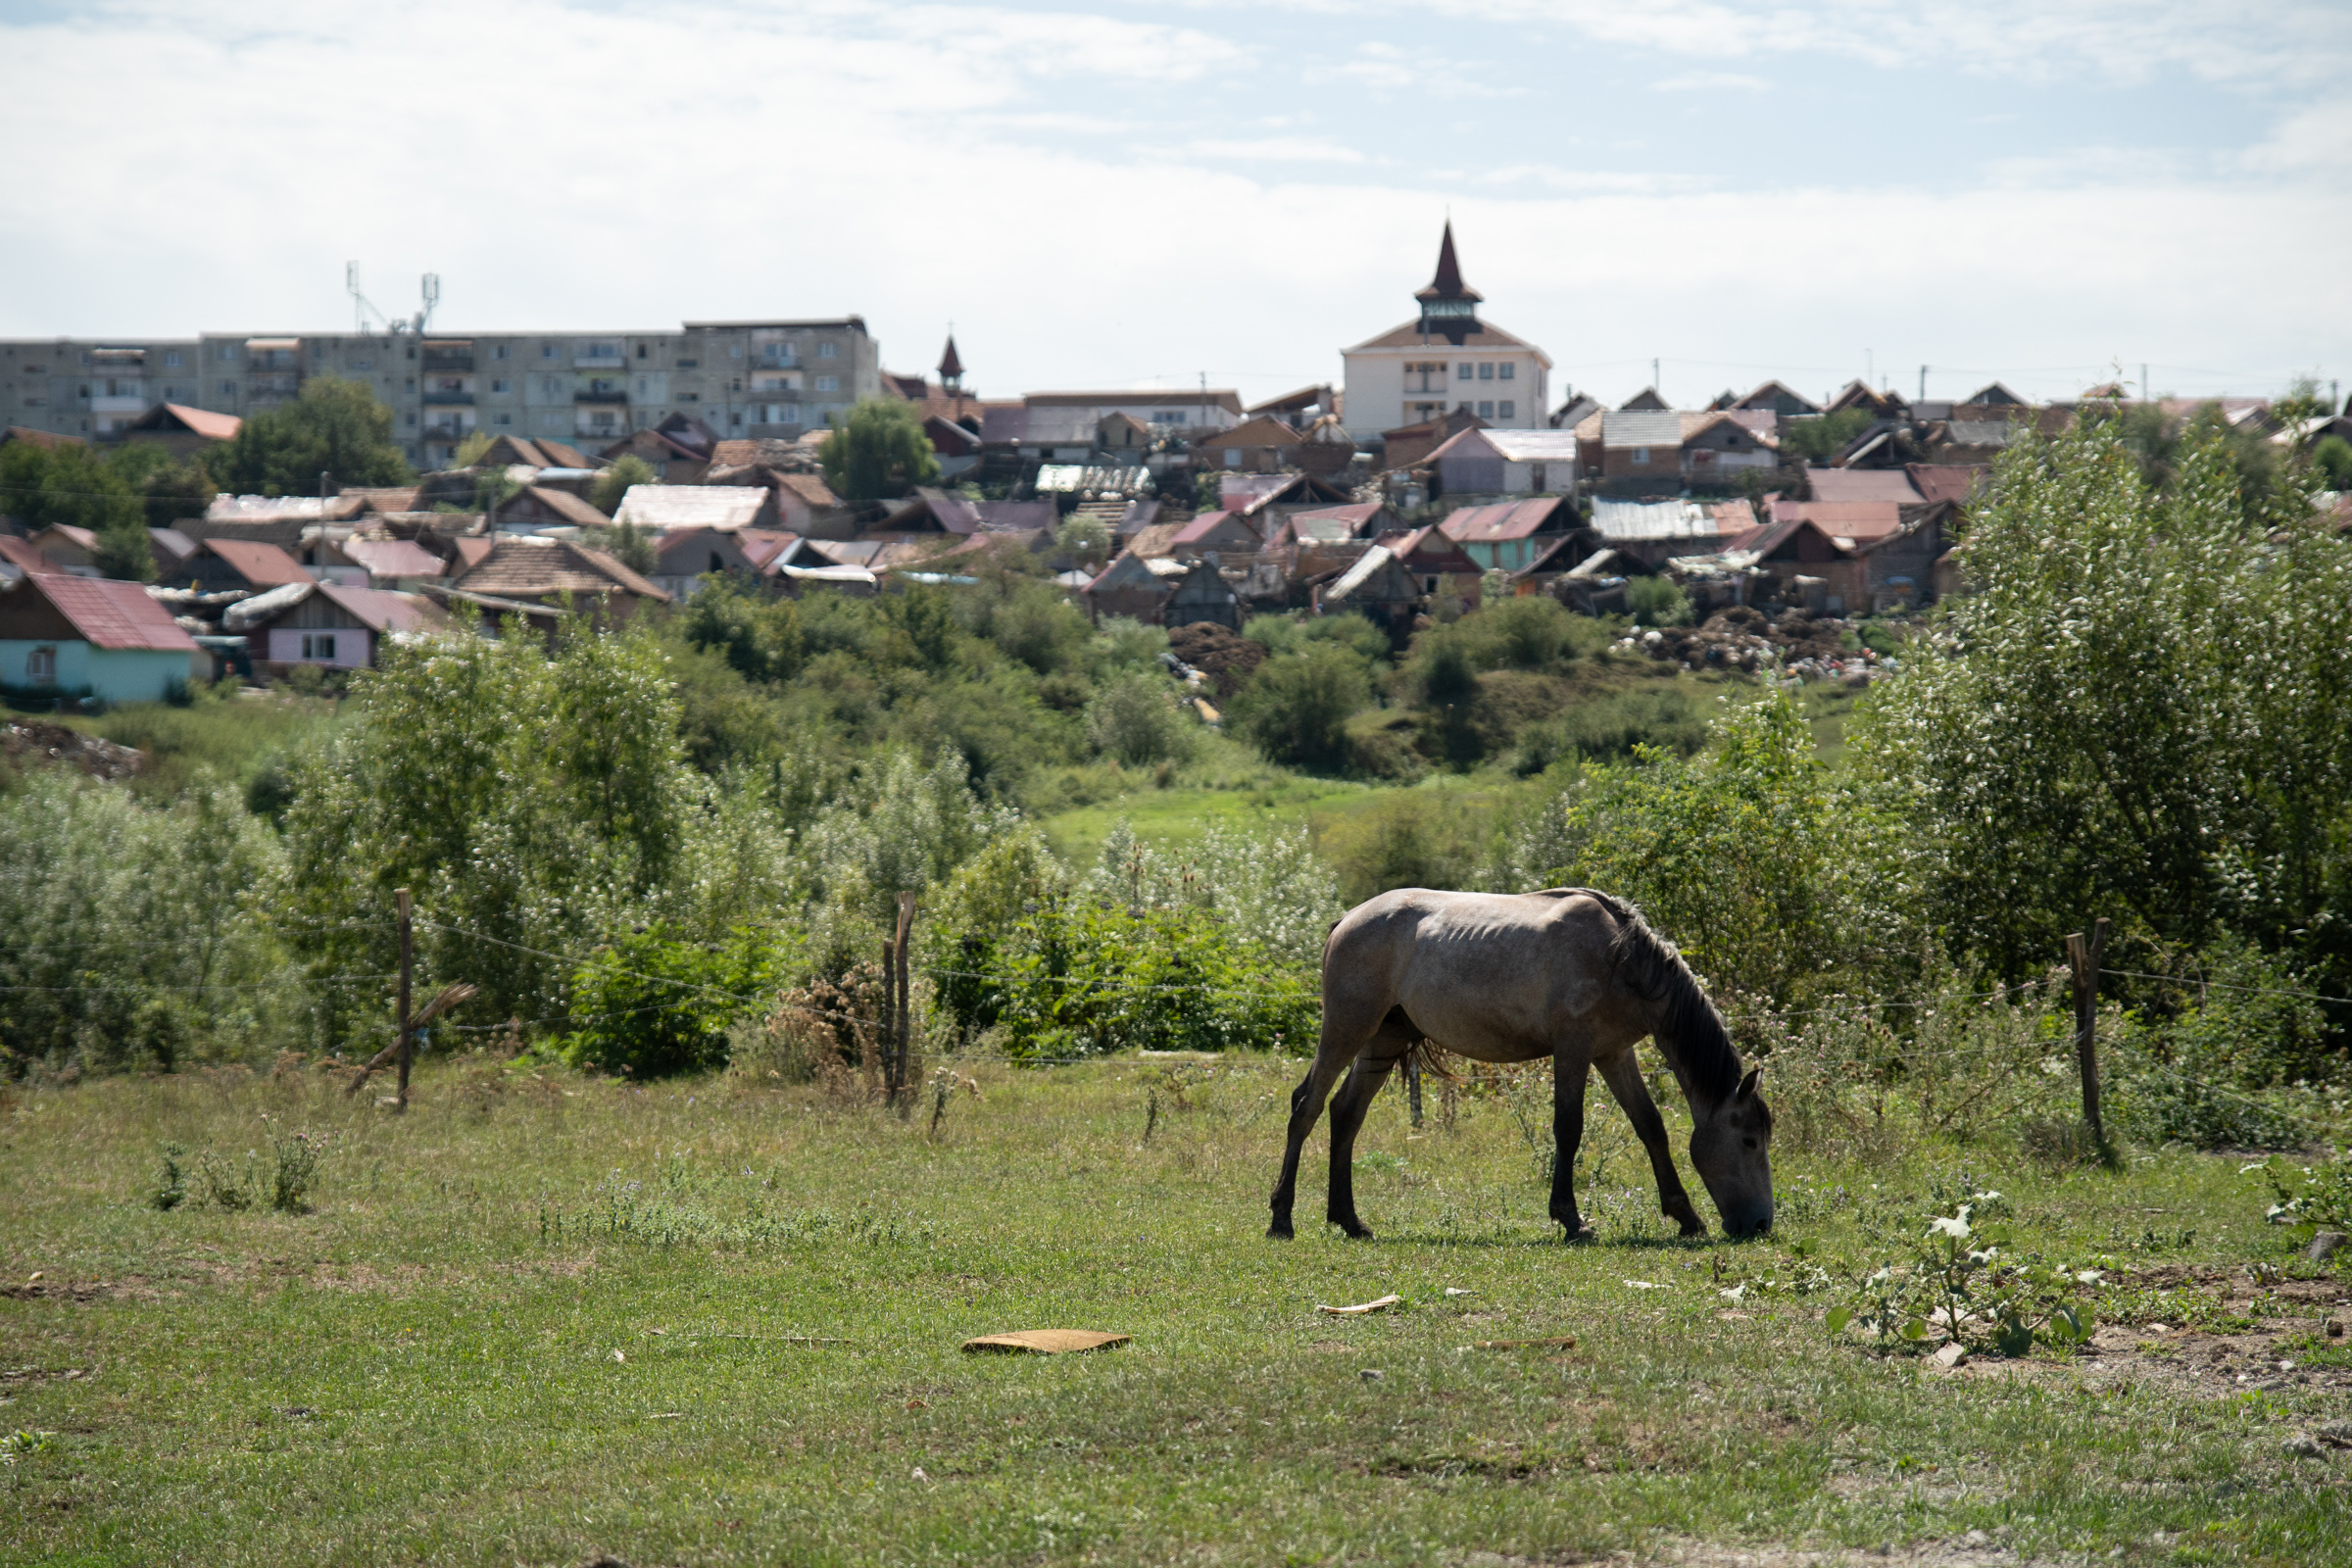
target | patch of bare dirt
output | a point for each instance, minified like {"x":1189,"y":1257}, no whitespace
{"x":27,"y":742}
{"x":84,"y":1291}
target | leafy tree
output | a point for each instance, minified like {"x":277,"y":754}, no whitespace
{"x":1742,"y":853}
{"x":879,"y":451}
{"x":613,"y":480}
{"x":1657,"y":601}
{"x":1082,"y":539}
{"x":335,"y":428}
{"x":759,"y":636}
{"x":1134,"y":719}
{"x":173,"y":489}
{"x":2144,"y":711}
{"x":2332,"y":460}
{"x":628,"y":544}
{"x":1811,"y":440}
{"x":1296,"y":710}
{"x":68,"y":484}
{"x":469,"y":451}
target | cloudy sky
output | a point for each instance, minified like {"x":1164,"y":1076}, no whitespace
{"x":1095,"y":195}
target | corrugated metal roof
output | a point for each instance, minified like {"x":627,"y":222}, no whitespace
{"x":691,"y":505}
{"x":110,"y":614}
{"x":1640,"y":428}
{"x":1355,"y":576}
{"x":1627,"y":521}
{"x":1507,"y":519}
{"x":1979,"y":433}
{"x":392,"y":558}
{"x":1531,"y":446}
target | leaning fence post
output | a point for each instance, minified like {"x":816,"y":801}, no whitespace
{"x":2082,"y":958}
{"x":408,"y":974}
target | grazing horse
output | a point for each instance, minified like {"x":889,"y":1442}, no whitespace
{"x":1567,"y":973}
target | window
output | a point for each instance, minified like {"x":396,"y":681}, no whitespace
{"x":1461,"y":408}
{"x":1507,"y":409}
{"x":1463,"y":372}
{"x":1485,"y":411}
{"x":498,"y":352}
{"x":85,"y":389}
{"x":319,"y":644}
{"x":40,"y":667}
{"x":410,"y":384}
{"x":641,"y":350}
{"x":690,"y":365}
{"x":412,"y":351}
{"x":547,"y":351}
{"x":1486,"y":370}
{"x":736,"y":419}
{"x":734,"y":351}
{"x":547,"y":421}
{"x":363,"y":364}
{"x":412,"y":419}
{"x":790,"y":414}
{"x":228,"y":354}
{"x":228,"y":389}
{"x":501,"y":420}
{"x":828,"y":383}
{"x":1508,"y":371}
{"x":1641,"y":455}
{"x":172,"y":360}
{"x":547,"y":384}
{"x":501,"y":387}
{"x":828,"y":351}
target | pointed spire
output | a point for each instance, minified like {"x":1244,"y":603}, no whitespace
{"x":950,"y":368}
{"x":1448,"y":284}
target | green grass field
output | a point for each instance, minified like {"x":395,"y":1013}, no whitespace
{"x":543,"y":1316}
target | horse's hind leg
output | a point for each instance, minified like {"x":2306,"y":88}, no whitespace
{"x":1569,"y":1071}
{"x":1348,"y":1026}
{"x":1623,"y":1075}
{"x":1347,"y":1112}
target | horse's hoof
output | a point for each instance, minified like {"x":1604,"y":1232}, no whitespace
{"x":1357,"y":1232}
{"x":1582,"y":1236}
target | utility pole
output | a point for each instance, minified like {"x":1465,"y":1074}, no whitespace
{"x":2143,"y":380}
{"x":1653,"y":379}
{"x":407,"y":972}
{"x":1922,"y":384}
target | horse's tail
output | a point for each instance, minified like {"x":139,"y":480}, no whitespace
{"x":1684,"y":1019}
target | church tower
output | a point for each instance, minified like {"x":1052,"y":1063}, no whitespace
{"x":950,"y":368}
{"x":1449,"y":306}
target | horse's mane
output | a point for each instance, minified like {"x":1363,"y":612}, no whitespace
{"x":1687,"y":1026}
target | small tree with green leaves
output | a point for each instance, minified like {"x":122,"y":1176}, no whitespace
{"x":880,"y":450}
{"x":336,"y":428}
{"x":612,"y":482}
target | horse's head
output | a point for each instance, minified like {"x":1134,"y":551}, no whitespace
{"x":1730,"y":1148}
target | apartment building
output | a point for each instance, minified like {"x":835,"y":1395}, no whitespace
{"x":1447,"y":360}
{"x":742,"y":378}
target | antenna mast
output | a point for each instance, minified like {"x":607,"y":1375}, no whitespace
{"x":362,"y":307}
{"x":432,"y":298}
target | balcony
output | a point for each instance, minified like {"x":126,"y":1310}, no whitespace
{"x":438,"y":360}
{"x":602,"y":395}
{"x":456,"y":399}
{"x":779,"y":358}
{"x":598,"y":356}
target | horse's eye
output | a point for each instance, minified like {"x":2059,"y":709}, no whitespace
{"x":1749,"y":1141}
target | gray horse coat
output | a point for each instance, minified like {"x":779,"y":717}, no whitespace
{"x":1567,"y":973}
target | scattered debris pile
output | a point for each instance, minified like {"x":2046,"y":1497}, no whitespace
{"x":1741,"y":637}
{"x":1225,"y":655}
{"x":25,"y":742}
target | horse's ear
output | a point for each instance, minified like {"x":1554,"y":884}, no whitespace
{"x":1748,"y":1085}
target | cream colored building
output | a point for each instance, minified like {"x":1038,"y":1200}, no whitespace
{"x":1446,"y":359}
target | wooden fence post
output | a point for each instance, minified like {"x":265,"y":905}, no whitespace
{"x":886,"y":1024}
{"x":2082,"y":958}
{"x":905,"y":1011}
{"x":1412,"y":1084}
{"x":408,"y":975}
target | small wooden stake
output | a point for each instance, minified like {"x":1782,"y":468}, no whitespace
{"x":904,"y":1010}
{"x":408,"y":975}
{"x":2083,"y":963}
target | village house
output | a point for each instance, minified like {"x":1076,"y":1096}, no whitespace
{"x":677,"y":450}
{"x":1851,"y":556}
{"x":1359,"y":520}
{"x":1134,"y":585}
{"x":1447,"y":360}
{"x":1214,"y":532}
{"x":1262,"y":444}
{"x":1639,"y":444}
{"x":537,"y":506}
{"x":333,"y":625}
{"x":1201,"y":593}
{"x":1183,"y":411}
{"x":1716,"y":447}
{"x":401,"y":566}
{"x":169,"y":547}
{"x":682,"y":557}
{"x":1509,"y":535}
{"x":182,"y":431}
{"x":1375,"y":585}
{"x":1442,"y":568}
{"x":1653,"y":532}
{"x":69,"y":636}
{"x":555,"y":573}
{"x":221,"y":565}
{"x":1510,"y":462}
{"x":68,"y":549}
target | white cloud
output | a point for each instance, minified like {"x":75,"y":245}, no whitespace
{"x":1711,"y":82}
{"x":1036,"y":177}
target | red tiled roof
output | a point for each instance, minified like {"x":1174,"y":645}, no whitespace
{"x":262,"y":565}
{"x":111,"y":615}
{"x":21,"y":555}
{"x":1947,"y":481}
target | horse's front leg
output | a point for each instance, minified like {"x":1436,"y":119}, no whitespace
{"x":1569,"y":1069}
{"x":1623,"y":1075}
